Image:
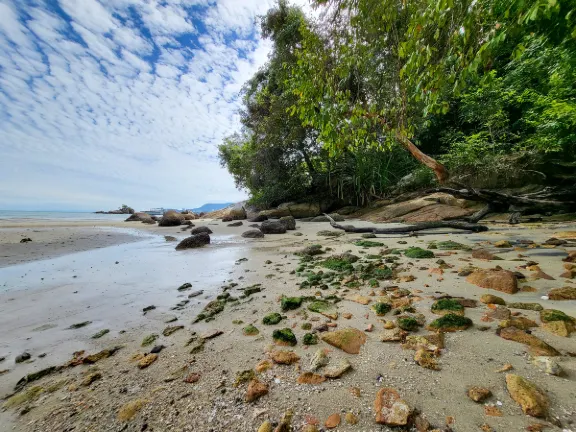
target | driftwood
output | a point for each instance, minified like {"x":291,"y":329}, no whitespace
{"x":421,"y":226}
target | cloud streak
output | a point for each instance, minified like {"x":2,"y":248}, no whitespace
{"x":105,"y":102}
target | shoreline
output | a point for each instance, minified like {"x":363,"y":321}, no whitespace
{"x":149,"y":272}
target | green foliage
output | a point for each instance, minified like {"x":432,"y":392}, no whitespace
{"x":417,"y":252}
{"x":447,"y":304}
{"x":450,"y":322}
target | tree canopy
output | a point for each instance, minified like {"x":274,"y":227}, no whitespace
{"x":478,"y":91}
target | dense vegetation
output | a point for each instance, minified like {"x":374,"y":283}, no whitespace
{"x":481,"y":92}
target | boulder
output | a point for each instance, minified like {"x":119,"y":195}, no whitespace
{"x":289,"y":222}
{"x":171,"y":218}
{"x":253,"y":233}
{"x":349,"y":340}
{"x":138,"y":217}
{"x":390,"y":409}
{"x":258,"y":218}
{"x":492,"y":299}
{"x":189,"y":216}
{"x":275,"y":213}
{"x":322,"y":218}
{"x":531,"y":399}
{"x":564,"y":293}
{"x":237,"y":212}
{"x":235,"y":224}
{"x":496,"y":279}
{"x":194,"y":241}
{"x":201,"y":229}
{"x":272,"y":227}
{"x":302,"y":210}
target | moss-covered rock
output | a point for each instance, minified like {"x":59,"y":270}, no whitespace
{"x":381,"y":308}
{"x":369,"y":243}
{"x":290,"y":303}
{"x":407,"y":323}
{"x":250,"y":330}
{"x":445,"y":306}
{"x":306,"y":326}
{"x":284,"y":336}
{"x":526,"y":306}
{"x":417,"y":253}
{"x":549,"y":315}
{"x":450,"y":245}
{"x":324,"y":308}
{"x":492,"y":299}
{"x":311,"y":250}
{"x":272,"y":318}
{"x":310,"y":339}
{"x":100,"y":334}
{"x":211,"y":309}
{"x":149,"y":340}
{"x":449,"y":323}
{"x":328,"y":233}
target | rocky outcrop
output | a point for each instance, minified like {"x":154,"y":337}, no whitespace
{"x":302,"y":210}
{"x":275,"y":213}
{"x":496,"y":279}
{"x":194,"y":241}
{"x":122,"y":210}
{"x":237,"y":212}
{"x":273,"y":227}
{"x":138,"y":217}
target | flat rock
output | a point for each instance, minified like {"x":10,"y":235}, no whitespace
{"x":332,"y":421}
{"x":499,"y":280}
{"x":390,"y":409}
{"x":492,"y":299}
{"x":212,"y":334}
{"x":253,"y":233}
{"x":484,"y":254}
{"x":349,"y":340}
{"x":478,"y":394}
{"x":284,"y":357}
{"x":337,"y":369}
{"x":147,"y":360}
{"x":392,"y":335}
{"x":530,"y":398}
{"x":564,"y":293}
{"x":537,"y":345}
{"x":310,"y":378}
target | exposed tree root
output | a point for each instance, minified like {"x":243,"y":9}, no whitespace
{"x":421,"y":226}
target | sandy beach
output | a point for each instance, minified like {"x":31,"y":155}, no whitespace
{"x":107,"y":273}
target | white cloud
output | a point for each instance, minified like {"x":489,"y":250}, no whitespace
{"x":122,"y":100}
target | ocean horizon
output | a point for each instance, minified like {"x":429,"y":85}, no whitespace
{"x":59,"y":215}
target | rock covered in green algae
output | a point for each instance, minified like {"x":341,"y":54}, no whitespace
{"x":310,"y":339}
{"x":250,"y":330}
{"x":149,"y":340}
{"x":284,"y":336}
{"x":369,"y":243}
{"x":290,"y":303}
{"x":100,"y":334}
{"x":272,"y":318}
{"x":407,"y":323}
{"x":211,"y":309}
{"x":450,"y":323}
{"x":417,"y":253}
{"x":445,"y":306}
{"x":381,"y":308}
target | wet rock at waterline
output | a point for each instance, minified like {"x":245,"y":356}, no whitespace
{"x":194,"y":241}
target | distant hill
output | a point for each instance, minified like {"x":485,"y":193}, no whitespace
{"x":211,"y":207}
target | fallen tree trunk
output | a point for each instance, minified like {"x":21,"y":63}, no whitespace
{"x":421,"y":226}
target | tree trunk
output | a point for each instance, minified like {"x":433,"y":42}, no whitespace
{"x":411,"y":228}
{"x":439,"y":170}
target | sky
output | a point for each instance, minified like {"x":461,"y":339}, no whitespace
{"x":110,"y":102}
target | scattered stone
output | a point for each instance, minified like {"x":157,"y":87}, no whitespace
{"x":332,"y":421}
{"x":521,"y":323}
{"x":256,"y":389}
{"x":338,"y":369}
{"x":431,"y":342}
{"x":157,"y":349}
{"x":447,"y":305}
{"x":426,"y":359}
{"x":392,"y":335}
{"x":484,"y":254}
{"x":492,"y":299}
{"x":272,"y":318}
{"x":548,"y":365}
{"x":418,"y":253}
{"x":128,"y":411}
{"x":349,"y":340}
{"x":351,"y":418}
{"x":192,"y":378}
{"x":148,"y":308}
{"x":289,"y":222}
{"x":500,"y":280}
{"x":266,"y":427}
{"x":329,"y":233}
{"x":503,"y":244}
{"x":526,"y":306}
{"x":284,"y":336}
{"x":235,"y":224}
{"x":90,"y":378}
{"x":171,"y":330}
{"x":559,"y":328}
{"x":310,"y":339}
{"x":531,"y":399}
{"x":284,"y":357}
{"x":23,"y":357}
{"x":499,"y":313}
{"x":479,"y":394}
{"x":100,"y":334}
{"x":211,"y":334}
{"x":170,"y":238}
{"x":147,"y":360}
{"x":272,"y":227}
{"x":250,"y":330}
{"x":565,"y":293}
{"x":196,"y":240}
{"x":253,"y":233}
{"x":319,"y":359}
{"x":79,"y":325}
{"x":538,"y":346}
{"x":450,"y":323}
{"x":310,"y":378}
{"x":407,"y":323}
{"x":149,"y":340}
{"x":324,"y":308}
{"x":263,"y":366}
{"x":390,"y":409}
{"x":358,"y":299}
{"x":290,"y":303}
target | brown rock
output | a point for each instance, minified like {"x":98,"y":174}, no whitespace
{"x":266,"y":427}
{"x":332,"y":421}
{"x":347,"y":315}
{"x":479,"y":394}
{"x":499,"y":313}
{"x":128,"y":411}
{"x":390,"y":409}
{"x":263,"y":366}
{"x":538,"y":346}
{"x":484,"y":254}
{"x":521,"y":323}
{"x":284,"y":357}
{"x":503,"y":244}
{"x":571,"y":258}
{"x":492,"y":299}
{"x":395,"y":334}
{"x":351,"y":418}
{"x":565,"y":293}
{"x":90,"y":378}
{"x":493,"y":411}
{"x":349,"y":340}
{"x":426,"y":359}
{"x":212,"y":334}
{"x":256,"y":389}
{"x":310,"y":378}
{"x":531,"y":399}
{"x":337,"y":369}
{"x":192,"y":378}
{"x":358,"y":299}
{"x":421,"y":423}
{"x":568,"y":274}
{"x":499,"y":280}
{"x":559,"y":328}
{"x":147,"y":360}
{"x":432,"y":342}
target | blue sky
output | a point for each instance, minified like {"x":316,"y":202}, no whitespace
{"x":104,"y":102}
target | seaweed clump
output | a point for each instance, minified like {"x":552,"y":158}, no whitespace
{"x":417,"y":253}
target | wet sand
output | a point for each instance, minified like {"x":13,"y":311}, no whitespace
{"x":40,"y":299}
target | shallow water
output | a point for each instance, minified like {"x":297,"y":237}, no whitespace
{"x":39,"y":300}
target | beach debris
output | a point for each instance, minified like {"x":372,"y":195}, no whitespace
{"x":478,"y":394}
